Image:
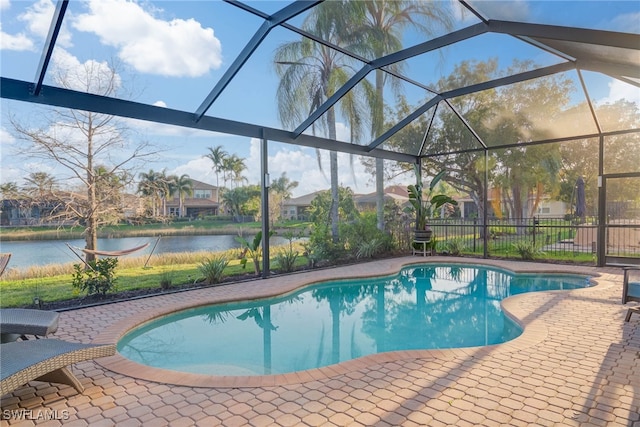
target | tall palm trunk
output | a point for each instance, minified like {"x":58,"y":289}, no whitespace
{"x":377,"y":126}
{"x":333,"y":164}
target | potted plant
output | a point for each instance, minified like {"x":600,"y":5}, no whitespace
{"x":424,"y":207}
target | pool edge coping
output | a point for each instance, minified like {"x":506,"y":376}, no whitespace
{"x":534,"y":331}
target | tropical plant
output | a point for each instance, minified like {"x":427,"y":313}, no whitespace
{"x":235,"y":200}
{"x":286,"y":260}
{"x":370,"y":248}
{"x":213,"y":269}
{"x":40,"y":185}
{"x":217,"y":156}
{"x":527,"y":250}
{"x":232,"y":168}
{"x":425,"y":208}
{"x":280,"y":190}
{"x":380,"y":32}
{"x":310,"y":73}
{"x":97,"y":277}
{"x":156,"y":186}
{"x":252,"y":250}
{"x":454,"y":246}
{"x":182,"y":186}
{"x":287,"y":257}
{"x":166,"y":280}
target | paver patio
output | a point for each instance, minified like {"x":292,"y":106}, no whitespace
{"x":577,"y":363}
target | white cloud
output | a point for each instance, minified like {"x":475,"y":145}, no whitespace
{"x":171,"y":48}
{"x":38,"y":19}
{"x":198,"y":169}
{"x":90,"y":76}
{"x":19,"y":41}
{"x":629,"y":22}
{"x":620,"y":90}
{"x":301,"y":165}
{"x":512,"y":10}
{"x":6,"y":138}
{"x":5,"y":4}
{"x":161,"y":129}
{"x":460,"y":13}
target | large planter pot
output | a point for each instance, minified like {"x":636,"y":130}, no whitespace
{"x":422,"y":235}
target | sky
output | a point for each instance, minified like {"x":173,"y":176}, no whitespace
{"x":172,"y":53}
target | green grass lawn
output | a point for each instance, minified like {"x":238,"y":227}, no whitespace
{"x":21,"y":293}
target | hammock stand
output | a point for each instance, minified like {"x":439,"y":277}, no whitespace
{"x":111,"y":253}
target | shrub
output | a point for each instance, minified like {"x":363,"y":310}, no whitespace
{"x":527,"y":250}
{"x":455,"y":246}
{"x":370,"y":248}
{"x":252,"y":250}
{"x":98,"y":278}
{"x":320,"y":247}
{"x":286,"y":260}
{"x":166,"y":280}
{"x":213,"y":269}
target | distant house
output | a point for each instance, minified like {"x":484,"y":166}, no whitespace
{"x":132,"y":205}
{"x":395,"y":193}
{"x":204,"y":201}
{"x":547,"y":208}
{"x":298,"y":207}
{"x":50,"y":210}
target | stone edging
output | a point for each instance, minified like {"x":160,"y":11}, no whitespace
{"x":534,"y":331}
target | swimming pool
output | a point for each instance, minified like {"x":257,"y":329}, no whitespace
{"x":423,"y":307}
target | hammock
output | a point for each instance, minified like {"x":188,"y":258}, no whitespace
{"x":75,"y":251}
{"x":115,"y":253}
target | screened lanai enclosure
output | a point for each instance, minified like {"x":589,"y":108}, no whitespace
{"x":529,"y":110}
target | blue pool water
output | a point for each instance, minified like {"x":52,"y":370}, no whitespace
{"x":422,"y":307}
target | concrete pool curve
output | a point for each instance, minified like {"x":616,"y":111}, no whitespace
{"x":533,"y":331}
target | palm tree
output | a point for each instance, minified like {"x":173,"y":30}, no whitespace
{"x":182,"y":186}
{"x":379,"y":34}
{"x":40,"y":184}
{"x":227,"y":169}
{"x":236,"y":167}
{"x":309,"y":74}
{"x":281,"y":187}
{"x":166,"y":185}
{"x":217,"y":156}
{"x":149,"y":186}
{"x":235,"y":200}
{"x":9,"y":190}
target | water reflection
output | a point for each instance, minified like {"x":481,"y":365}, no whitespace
{"x":43,"y":252}
{"x":423,"y":307}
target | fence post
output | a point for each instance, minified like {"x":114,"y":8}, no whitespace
{"x":475,"y":222}
{"x":534,"y":230}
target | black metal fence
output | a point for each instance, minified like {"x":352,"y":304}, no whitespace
{"x":550,"y":238}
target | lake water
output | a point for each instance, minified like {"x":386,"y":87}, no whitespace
{"x":43,"y":252}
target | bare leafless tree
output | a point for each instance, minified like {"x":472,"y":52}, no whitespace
{"x":92,"y":147}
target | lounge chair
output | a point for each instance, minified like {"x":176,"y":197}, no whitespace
{"x":4,"y":261}
{"x":45,"y":360}
{"x":630,"y":291}
{"x":19,"y":322}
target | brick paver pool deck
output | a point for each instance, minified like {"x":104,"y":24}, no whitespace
{"x":577,"y":363}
